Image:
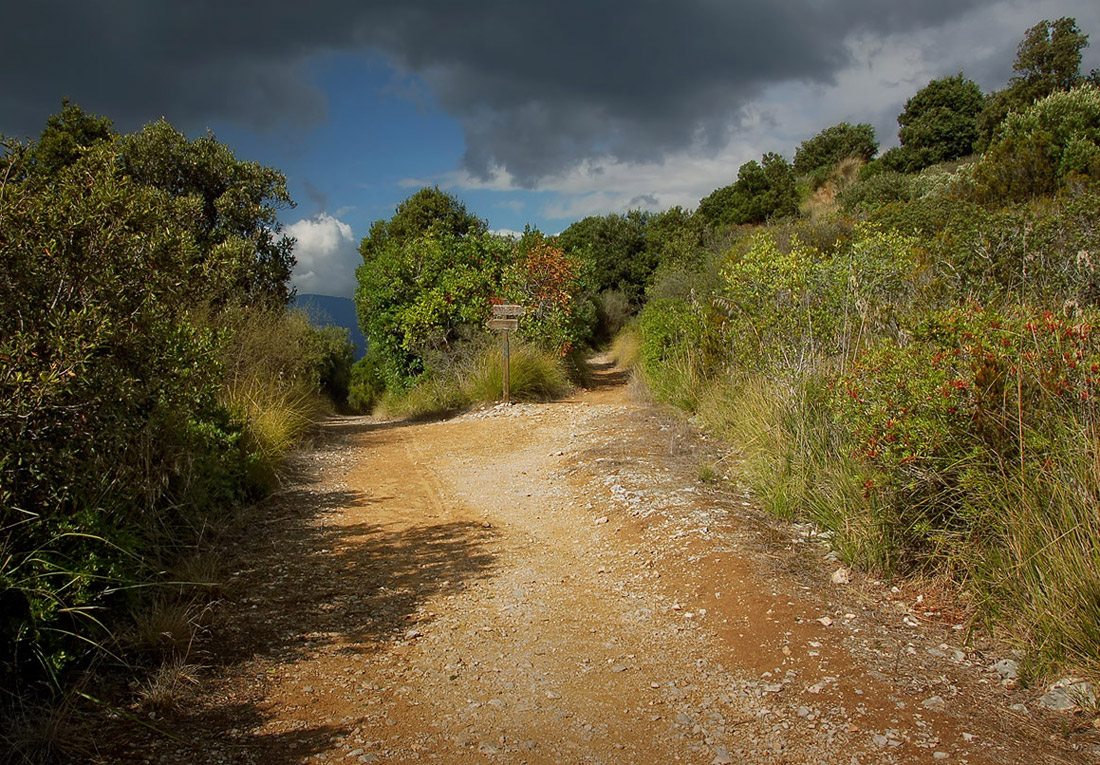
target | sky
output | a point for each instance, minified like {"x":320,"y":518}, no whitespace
{"x":539,"y":112}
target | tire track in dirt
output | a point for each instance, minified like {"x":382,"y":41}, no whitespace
{"x":550,"y":583}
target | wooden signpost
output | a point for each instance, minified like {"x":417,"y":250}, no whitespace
{"x":506,"y":319}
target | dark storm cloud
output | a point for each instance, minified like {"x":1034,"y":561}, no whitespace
{"x":537,"y":86}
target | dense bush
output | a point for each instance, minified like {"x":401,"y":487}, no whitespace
{"x":415,"y":296}
{"x":616,"y":251}
{"x":832,"y":145}
{"x":682,"y":346}
{"x":1048,"y":59}
{"x":938,"y":124}
{"x":791,"y":307}
{"x":421,"y":296}
{"x":1040,"y":149}
{"x":763,"y":190}
{"x":122,"y":443}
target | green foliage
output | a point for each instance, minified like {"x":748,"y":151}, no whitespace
{"x":676,"y":237}
{"x":834,"y":144}
{"x":790,"y":306}
{"x":550,"y":285}
{"x":617,"y":249}
{"x":1039,"y":150}
{"x":67,"y":136}
{"x":423,"y":295}
{"x":978,"y":393}
{"x":334,"y":356}
{"x":681,"y":347}
{"x":428,"y":211}
{"x":120,"y":279}
{"x":882,"y":188}
{"x":108,"y":392}
{"x":762,"y":191}
{"x":234,"y":207}
{"x":938,"y":124}
{"x":1048,"y":60}
{"x":368,"y":382}
{"x":418,"y":295}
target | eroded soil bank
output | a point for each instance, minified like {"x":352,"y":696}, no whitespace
{"x":552,"y":584}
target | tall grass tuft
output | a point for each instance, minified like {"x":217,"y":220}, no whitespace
{"x":793,"y":460}
{"x":535,"y":375}
{"x":274,"y":417}
{"x":626,"y":348}
{"x":1045,"y":571}
{"x":478,"y":378}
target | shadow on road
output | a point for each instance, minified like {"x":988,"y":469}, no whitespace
{"x":306,"y":581}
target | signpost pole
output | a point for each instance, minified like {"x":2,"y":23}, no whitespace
{"x":506,"y":319}
{"x":507,"y":369}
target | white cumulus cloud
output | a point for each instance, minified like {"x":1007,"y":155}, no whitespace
{"x":326,"y":256}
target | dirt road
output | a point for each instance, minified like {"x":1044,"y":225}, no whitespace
{"x":553,"y":584}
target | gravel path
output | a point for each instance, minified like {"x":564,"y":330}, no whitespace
{"x":552,"y":584}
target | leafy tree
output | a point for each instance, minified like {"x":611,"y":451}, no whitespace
{"x":420,"y":294}
{"x":67,"y":135}
{"x":616,"y":247}
{"x":550,"y":284}
{"x":938,"y":124}
{"x":117,"y":442}
{"x":831,"y":145}
{"x":113,"y":435}
{"x":429,"y":210}
{"x":1048,"y":59}
{"x":762,"y":191}
{"x":676,"y":236}
{"x":427,"y":272}
{"x":235,"y":211}
{"x":1049,"y":56}
{"x":1038,"y":150}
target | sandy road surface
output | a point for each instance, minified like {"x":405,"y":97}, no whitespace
{"x":552,"y":583}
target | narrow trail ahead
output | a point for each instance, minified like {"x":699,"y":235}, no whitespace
{"x":552,"y":584}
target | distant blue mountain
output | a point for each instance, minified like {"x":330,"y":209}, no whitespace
{"x":326,"y":310}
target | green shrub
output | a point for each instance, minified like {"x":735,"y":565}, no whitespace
{"x":762,"y":191}
{"x":832,"y":145}
{"x":977,"y":393}
{"x":681,"y":347}
{"x":1036,"y":151}
{"x":120,"y":452}
{"x":367,"y":382}
{"x":790,"y":306}
{"x":879,"y":189}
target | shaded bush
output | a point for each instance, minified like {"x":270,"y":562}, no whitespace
{"x":832,"y":145}
{"x":122,"y":445}
{"x":1038,"y":150}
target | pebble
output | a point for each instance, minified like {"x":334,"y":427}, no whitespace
{"x":933,"y":702}
{"x":1067,"y":694}
{"x":721,"y":757}
{"x":1006,"y":668}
